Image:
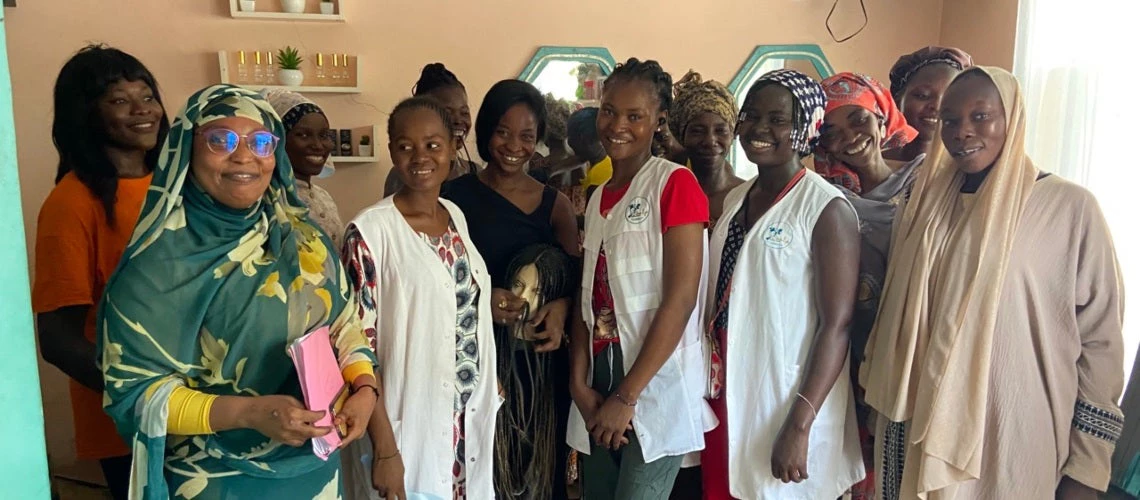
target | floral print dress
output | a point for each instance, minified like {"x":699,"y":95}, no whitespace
{"x":453,"y":253}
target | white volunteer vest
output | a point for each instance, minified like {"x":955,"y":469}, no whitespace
{"x":415,"y":345}
{"x":671,"y":414}
{"x":772,"y":323}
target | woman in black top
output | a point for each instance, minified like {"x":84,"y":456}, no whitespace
{"x":507,"y":211}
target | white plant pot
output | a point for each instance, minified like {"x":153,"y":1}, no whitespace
{"x":365,"y":150}
{"x":248,"y":5}
{"x":290,"y":77}
{"x":293,"y":6}
{"x":327,"y":8}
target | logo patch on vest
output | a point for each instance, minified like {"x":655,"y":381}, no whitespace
{"x":778,"y":235}
{"x":637,"y":211}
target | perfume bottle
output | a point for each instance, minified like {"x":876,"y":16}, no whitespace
{"x":345,"y":76}
{"x":242,"y":69}
{"x":258,"y":70}
{"x":335,"y":69}
{"x":270,"y":71}
{"x":320,"y":68}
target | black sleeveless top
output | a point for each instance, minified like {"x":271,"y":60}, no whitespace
{"x":499,"y":230}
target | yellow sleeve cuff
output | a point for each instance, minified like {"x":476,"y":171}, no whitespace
{"x":188,"y":411}
{"x":357,"y":369}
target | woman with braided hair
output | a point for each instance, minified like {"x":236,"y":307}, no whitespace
{"x":637,"y":372}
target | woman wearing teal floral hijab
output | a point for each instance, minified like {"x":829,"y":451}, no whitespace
{"x":223,"y":271}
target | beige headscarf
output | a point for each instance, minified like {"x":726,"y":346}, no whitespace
{"x":928,"y":357}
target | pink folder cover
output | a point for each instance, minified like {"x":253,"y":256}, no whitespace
{"x":321,"y":383}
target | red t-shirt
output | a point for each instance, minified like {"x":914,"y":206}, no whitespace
{"x":682,"y":202}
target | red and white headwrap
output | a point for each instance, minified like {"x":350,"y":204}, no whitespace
{"x":846,"y":89}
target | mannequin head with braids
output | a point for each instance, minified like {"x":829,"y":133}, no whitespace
{"x":538,"y":274}
{"x":635,"y":105}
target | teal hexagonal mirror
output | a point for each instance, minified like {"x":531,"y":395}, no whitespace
{"x":573,"y":74}
{"x":807,"y":59}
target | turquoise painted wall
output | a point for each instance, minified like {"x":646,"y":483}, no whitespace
{"x":23,"y":463}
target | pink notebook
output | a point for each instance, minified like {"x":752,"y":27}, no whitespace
{"x":321,"y":383}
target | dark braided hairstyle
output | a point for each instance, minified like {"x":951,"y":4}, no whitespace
{"x":77,"y":128}
{"x":420,"y":103}
{"x":435,"y":76}
{"x":650,"y":72}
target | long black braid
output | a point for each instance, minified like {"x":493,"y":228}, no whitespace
{"x":526,"y":441}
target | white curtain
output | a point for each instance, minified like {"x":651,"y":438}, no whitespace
{"x":1076,"y":64}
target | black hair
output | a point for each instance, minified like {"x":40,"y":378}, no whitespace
{"x":583,"y":123}
{"x":500,"y":98}
{"x":797,"y":110}
{"x":435,"y":76}
{"x":650,"y":72}
{"x":77,"y":129}
{"x":420,"y":103}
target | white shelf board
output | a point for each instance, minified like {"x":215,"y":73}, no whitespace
{"x":354,"y":159}
{"x":284,"y":16}
{"x":237,"y":13}
{"x":307,"y":90}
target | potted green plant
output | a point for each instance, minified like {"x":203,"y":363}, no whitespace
{"x":365,"y":146}
{"x":289,"y":67}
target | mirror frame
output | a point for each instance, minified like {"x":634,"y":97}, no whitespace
{"x":595,"y":55}
{"x":809,"y":52}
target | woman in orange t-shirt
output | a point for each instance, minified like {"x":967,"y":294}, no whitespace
{"x":108,"y":129}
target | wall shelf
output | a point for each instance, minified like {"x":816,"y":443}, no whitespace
{"x":355,"y":159}
{"x":237,"y":13}
{"x":305,"y":89}
{"x":228,"y":69}
{"x":357,"y":132}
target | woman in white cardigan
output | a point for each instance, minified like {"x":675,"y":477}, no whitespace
{"x":424,"y":295}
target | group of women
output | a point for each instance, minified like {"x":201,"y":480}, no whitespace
{"x":890,"y":323}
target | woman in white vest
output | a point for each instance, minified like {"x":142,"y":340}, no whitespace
{"x":785,"y":261}
{"x":637,"y":375}
{"x":424,"y":295}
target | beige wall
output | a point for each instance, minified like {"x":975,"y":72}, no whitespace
{"x":482,"y":41}
{"x":984,"y":28}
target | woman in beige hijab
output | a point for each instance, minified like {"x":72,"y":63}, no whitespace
{"x":996,"y":358}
